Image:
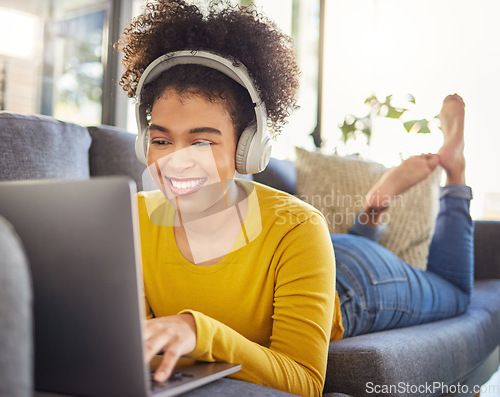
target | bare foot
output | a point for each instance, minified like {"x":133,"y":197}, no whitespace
{"x":400,"y":179}
{"x":451,"y":154}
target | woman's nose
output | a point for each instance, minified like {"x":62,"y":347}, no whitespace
{"x":181,"y":158}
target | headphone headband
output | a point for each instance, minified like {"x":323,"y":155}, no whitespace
{"x":237,"y":72}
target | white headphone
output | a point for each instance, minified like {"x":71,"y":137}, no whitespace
{"x":254,"y":146}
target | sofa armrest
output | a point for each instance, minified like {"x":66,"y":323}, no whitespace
{"x":486,"y":249}
{"x":16,"y":346}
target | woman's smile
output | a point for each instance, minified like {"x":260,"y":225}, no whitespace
{"x":185,"y":186}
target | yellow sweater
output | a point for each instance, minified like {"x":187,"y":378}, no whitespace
{"x":268,"y":305}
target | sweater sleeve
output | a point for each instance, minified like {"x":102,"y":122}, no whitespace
{"x":295,"y":360}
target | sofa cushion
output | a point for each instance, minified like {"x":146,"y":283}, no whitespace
{"x":40,"y":147}
{"x":279,"y":174}
{"x":227,"y":387}
{"x":113,"y":153}
{"x":337,"y":187}
{"x":446,"y":351}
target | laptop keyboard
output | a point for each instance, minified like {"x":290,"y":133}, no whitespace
{"x":176,"y":377}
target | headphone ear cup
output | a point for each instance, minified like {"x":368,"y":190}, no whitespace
{"x":141,"y":146}
{"x":243,"y":148}
{"x":252,"y":155}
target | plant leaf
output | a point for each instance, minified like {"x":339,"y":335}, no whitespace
{"x":348,"y":129}
{"x":395,"y":113}
{"x":411,"y":98}
{"x":418,"y":126}
{"x":371,"y":99}
{"x":424,"y":127}
{"x":409,"y":124}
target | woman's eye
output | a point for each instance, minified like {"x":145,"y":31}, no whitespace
{"x":203,"y":144}
{"x":159,"y":142}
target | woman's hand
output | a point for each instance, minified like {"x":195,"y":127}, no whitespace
{"x":174,"y":336}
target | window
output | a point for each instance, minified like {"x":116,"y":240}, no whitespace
{"x":55,"y":58}
{"x":73,"y":62}
{"x":20,"y":55}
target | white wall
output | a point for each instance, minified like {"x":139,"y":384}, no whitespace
{"x":429,"y":48}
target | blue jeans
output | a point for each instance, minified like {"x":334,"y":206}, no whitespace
{"x":378,"y":290}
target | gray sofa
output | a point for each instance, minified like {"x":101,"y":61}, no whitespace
{"x":425,"y":360}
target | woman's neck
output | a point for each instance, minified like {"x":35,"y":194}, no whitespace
{"x":210,"y":235}
{"x":231,"y":196}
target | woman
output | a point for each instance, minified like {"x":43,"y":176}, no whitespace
{"x":236,"y":271}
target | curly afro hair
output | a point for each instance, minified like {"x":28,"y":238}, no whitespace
{"x":238,"y":33}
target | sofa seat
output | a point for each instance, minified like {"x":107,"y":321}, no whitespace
{"x":447,"y":351}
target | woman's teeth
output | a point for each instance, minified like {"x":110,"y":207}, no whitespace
{"x":187,"y":184}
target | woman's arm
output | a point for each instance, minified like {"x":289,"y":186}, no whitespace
{"x":295,"y":360}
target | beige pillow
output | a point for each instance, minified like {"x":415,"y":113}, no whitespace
{"x":337,"y":187}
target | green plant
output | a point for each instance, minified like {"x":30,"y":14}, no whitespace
{"x":389,"y":108}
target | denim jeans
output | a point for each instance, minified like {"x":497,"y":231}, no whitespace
{"x":379,"y":291}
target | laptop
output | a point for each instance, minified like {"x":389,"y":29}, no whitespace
{"x":81,"y":239}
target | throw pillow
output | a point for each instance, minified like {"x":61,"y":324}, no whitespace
{"x":337,"y":187}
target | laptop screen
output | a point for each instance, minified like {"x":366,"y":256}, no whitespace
{"x":81,"y":241}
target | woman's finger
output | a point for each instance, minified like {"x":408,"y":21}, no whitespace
{"x":174,"y":336}
{"x":157,"y":337}
{"x":171,"y":354}
{"x":154,"y":344}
